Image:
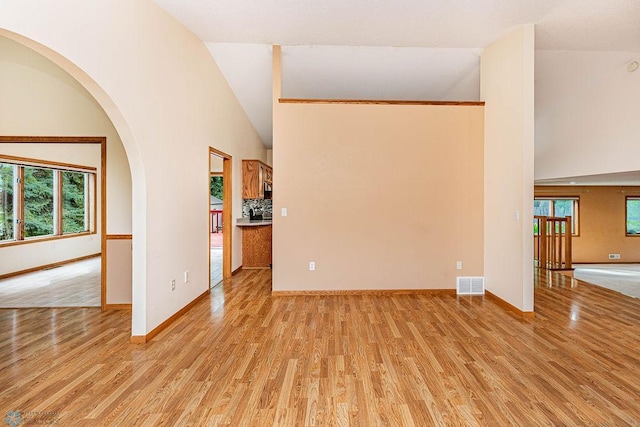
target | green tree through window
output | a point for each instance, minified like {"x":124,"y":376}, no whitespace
{"x":216,"y":186}
{"x":38,"y":201}
{"x":633,"y":215}
{"x":73,"y":202}
{"x":48,"y":201}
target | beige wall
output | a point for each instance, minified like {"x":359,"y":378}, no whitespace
{"x":507,"y":83}
{"x":602,"y":220}
{"x":378,"y":196}
{"x":119,"y":271}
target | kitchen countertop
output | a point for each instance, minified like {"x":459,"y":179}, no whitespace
{"x":246,"y":222}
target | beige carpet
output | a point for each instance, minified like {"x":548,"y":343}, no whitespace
{"x":623,"y":278}
{"x":72,"y":285}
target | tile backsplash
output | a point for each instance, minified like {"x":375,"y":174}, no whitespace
{"x":263,"y":206}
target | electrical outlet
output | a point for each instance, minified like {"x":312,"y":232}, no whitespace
{"x":186,"y":276}
{"x":283,"y":212}
{"x":312,"y":266}
{"x":173,"y":285}
{"x":458,"y":265}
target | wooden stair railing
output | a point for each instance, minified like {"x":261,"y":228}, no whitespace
{"x":553,"y":243}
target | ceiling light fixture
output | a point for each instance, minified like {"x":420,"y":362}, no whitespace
{"x":633,"y":65}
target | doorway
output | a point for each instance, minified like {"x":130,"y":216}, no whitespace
{"x":56,"y":245}
{"x":219,"y":217}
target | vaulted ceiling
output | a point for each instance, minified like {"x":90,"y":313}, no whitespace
{"x":381,"y":49}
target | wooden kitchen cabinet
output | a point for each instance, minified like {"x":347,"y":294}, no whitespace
{"x":255,"y":174}
{"x":268,"y":178}
{"x":256,"y":246}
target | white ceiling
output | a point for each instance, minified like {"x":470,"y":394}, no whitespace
{"x":381,"y":49}
{"x":562,"y":24}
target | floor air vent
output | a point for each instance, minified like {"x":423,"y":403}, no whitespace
{"x":470,"y":285}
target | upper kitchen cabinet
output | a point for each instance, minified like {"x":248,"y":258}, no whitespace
{"x":268,"y":177}
{"x":257,"y":180}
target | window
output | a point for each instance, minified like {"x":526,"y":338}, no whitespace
{"x":633,"y":216}
{"x":75,"y":214}
{"x":557,"y":207}
{"x":40,"y":199}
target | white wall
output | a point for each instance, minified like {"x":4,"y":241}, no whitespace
{"x":169,"y":103}
{"x":507,"y":83}
{"x":587,"y":109}
{"x":39,"y":98}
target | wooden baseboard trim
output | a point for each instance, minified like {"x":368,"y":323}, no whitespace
{"x":380,"y":292}
{"x":117,"y":307}
{"x":142,"y":339}
{"x":236,"y":271}
{"x":138,"y":339}
{"x":48,"y":266}
{"x":119,"y":236}
{"x":375,"y":101}
{"x":502,"y":303}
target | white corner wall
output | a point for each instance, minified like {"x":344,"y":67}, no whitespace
{"x":507,"y":87}
{"x":169,"y":102}
{"x":587,"y":110}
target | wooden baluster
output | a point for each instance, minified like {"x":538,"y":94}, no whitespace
{"x":542,"y":235}
{"x":560,"y":236}
{"x":567,"y":246}
{"x":553,"y":243}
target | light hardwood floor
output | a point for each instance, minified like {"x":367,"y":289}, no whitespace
{"x":242,"y":357}
{"x":215,"y":261}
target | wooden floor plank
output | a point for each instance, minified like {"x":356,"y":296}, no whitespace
{"x":242,"y":357}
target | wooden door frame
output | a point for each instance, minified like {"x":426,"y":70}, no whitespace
{"x":227,"y":162}
{"x":103,"y":190}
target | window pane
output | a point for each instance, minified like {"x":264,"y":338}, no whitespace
{"x":38,"y":202}
{"x":542,"y":207}
{"x":7,"y":181}
{"x":633,"y":216}
{"x":562,"y":208}
{"x":73,"y":202}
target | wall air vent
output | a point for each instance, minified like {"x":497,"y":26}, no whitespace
{"x":470,"y":285}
